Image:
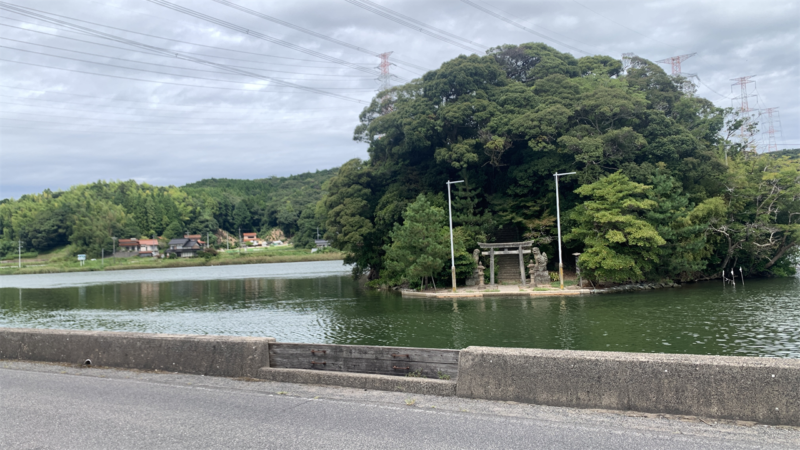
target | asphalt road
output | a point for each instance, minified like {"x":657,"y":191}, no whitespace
{"x":52,"y":406}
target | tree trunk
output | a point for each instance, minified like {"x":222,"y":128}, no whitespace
{"x":780,"y":253}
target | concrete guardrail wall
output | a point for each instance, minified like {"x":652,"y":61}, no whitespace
{"x":224,"y":356}
{"x":765,"y":390}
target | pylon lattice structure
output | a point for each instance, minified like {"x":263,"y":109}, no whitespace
{"x":744,"y":107}
{"x":676,"y":61}
{"x":626,"y":61}
{"x":385,"y":75}
{"x":772,"y":115}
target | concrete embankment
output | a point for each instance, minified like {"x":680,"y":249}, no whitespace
{"x":224,"y":356}
{"x":765,"y":390}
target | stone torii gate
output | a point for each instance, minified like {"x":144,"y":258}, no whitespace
{"x":507,"y":248}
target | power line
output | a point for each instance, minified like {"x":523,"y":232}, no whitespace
{"x":24,"y":12}
{"x":156,"y":64}
{"x":539,"y":26}
{"x":145,"y":80}
{"x":409,"y":25}
{"x":520,"y":26}
{"x":422,"y":24}
{"x":127,"y":108}
{"x":179,"y":41}
{"x":159,"y":104}
{"x":258,"y":35}
{"x":623,"y":26}
{"x":196,"y":54}
{"x":52,"y":108}
{"x":313,"y":33}
{"x":155,"y":71}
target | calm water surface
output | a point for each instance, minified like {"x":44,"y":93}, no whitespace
{"x":317,"y":302}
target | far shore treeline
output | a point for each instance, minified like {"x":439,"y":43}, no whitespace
{"x":667,"y":184}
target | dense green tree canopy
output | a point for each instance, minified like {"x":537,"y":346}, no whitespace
{"x":506,"y":121}
{"x":88,"y":216}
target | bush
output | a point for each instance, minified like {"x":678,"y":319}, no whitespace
{"x":207,"y":253}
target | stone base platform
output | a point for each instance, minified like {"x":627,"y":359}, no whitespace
{"x":497,"y":291}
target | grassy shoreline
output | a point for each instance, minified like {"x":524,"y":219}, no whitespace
{"x":268,"y":256}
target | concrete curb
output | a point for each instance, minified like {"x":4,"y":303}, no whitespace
{"x":421,"y":386}
{"x":224,"y":356}
{"x":765,"y":390}
{"x":458,"y":295}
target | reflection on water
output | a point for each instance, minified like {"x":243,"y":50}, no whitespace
{"x":761,"y":319}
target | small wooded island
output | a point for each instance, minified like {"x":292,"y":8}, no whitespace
{"x":667,"y":185}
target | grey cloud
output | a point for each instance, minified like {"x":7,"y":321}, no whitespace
{"x":140,"y":130}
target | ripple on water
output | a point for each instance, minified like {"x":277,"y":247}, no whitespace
{"x":761,"y":319}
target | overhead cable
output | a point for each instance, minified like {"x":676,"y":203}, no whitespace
{"x":262,"y":91}
{"x":176,"y":40}
{"x":405,"y":23}
{"x":262,"y":36}
{"x":422,"y":24}
{"x":537,"y":26}
{"x":520,"y":26}
{"x":157,"y":72}
{"x":61,"y":36}
{"x":145,"y":114}
{"x":623,"y":26}
{"x":314,"y":33}
{"x":24,"y":11}
{"x":164,"y":65}
{"x":159,"y":104}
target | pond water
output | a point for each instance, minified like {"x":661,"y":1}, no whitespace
{"x":318,"y":302}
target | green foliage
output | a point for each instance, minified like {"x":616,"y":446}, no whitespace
{"x":174,"y":231}
{"x":87,"y":216}
{"x":504,"y":123}
{"x":621,"y":245}
{"x":420,"y":246}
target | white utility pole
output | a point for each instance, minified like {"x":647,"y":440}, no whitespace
{"x":452,"y":252}
{"x":114,"y":247}
{"x":19,"y":261}
{"x":558,"y":219}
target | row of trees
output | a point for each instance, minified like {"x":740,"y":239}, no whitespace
{"x":655,"y":195}
{"x":88,"y":216}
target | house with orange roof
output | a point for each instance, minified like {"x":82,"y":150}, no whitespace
{"x":148,"y":247}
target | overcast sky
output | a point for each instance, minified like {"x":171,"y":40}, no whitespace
{"x":76,"y":107}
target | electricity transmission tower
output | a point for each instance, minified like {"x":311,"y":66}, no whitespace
{"x":626,"y":61}
{"x":745,"y":133}
{"x":675,"y":61}
{"x":385,"y":75}
{"x":772,"y":115}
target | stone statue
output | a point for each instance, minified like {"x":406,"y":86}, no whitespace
{"x":477,"y":273}
{"x":538,"y":268}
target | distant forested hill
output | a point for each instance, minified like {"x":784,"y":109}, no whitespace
{"x":793,"y":153}
{"x":87,"y":216}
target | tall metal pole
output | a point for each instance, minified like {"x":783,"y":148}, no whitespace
{"x":19,"y":260}
{"x":558,"y":219}
{"x":452,"y":251}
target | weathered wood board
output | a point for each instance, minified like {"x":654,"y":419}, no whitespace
{"x":399,"y":361}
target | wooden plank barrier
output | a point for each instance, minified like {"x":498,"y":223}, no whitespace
{"x":398,"y":361}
